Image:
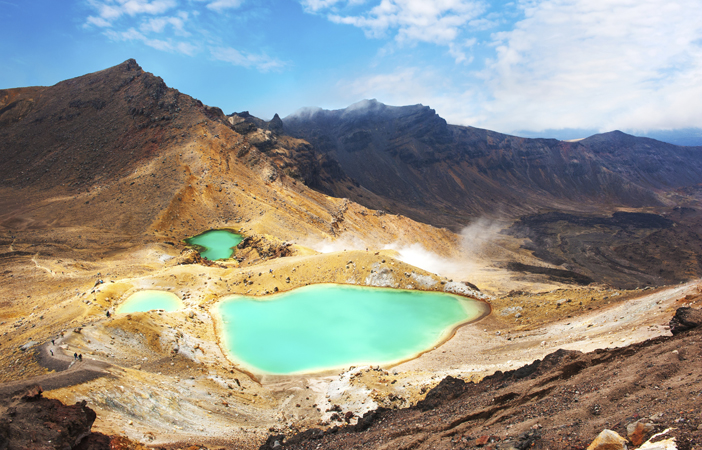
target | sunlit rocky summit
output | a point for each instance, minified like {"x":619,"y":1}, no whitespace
{"x":579,"y":254}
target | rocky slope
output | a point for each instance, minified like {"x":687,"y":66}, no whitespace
{"x":446,"y":175}
{"x":120,"y":143}
{"x":562,"y":401}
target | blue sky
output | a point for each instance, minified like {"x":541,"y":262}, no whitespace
{"x":532,"y":65}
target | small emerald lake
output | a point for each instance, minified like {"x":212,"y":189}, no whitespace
{"x":215,"y":244}
{"x":329,"y":326}
{"x":148,"y":300}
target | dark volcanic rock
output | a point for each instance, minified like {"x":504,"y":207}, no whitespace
{"x":30,"y":421}
{"x":563,"y":276}
{"x":449,"y":388}
{"x":624,"y":249}
{"x":685,"y":319}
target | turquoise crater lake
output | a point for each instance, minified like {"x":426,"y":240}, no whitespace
{"x":215,"y":244}
{"x":329,"y":326}
{"x":148,"y":300}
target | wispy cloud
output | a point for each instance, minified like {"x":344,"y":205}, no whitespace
{"x":261,"y":61}
{"x":166,"y":25}
{"x":167,"y":45}
{"x":110,"y":10}
{"x":159,"y":24}
{"x":442,"y":22}
{"x":602,"y":63}
{"x":221,"y":5}
{"x":457,"y":103}
{"x":314,"y":6}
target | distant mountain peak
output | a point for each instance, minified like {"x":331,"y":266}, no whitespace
{"x":306,"y":112}
{"x":363,"y":108}
{"x":365,"y":105}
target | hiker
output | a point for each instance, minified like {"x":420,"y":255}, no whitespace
{"x":80,"y":357}
{"x":75,"y":356}
{"x":52,"y":352}
{"x":107,"y":314}
{"x":52,"y":342}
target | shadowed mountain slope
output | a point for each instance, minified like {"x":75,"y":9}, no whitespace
{"x":446,"y":175}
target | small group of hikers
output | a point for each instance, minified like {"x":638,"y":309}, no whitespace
{"x":76,"y":356}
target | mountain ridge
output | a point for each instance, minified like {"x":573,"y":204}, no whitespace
{"x":452,"y":174}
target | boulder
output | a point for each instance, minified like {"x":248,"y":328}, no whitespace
{"x":685,"y":319}
{"x":608,"y":440}
{"x":637,"y":432}
{"x":189,"y":256}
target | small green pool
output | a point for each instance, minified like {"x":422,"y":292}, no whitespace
{"x":330,"y":326}
{"x":148,"y":300}
{"x":215,"y":244}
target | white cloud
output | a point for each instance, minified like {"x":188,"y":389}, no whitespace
{"x":111,"y":10}
{"x":314,"y":6}
{"x":262,"y":62}
{"x":221,"y":5}
{"x":98,"y":22}
{"x":598,"y":63}
{"x":159,"y":24}
{"x":438,"y":21}
{"x":167,"y":45}
{"x":407,"y":22}
{"x":133,"y":7}
{"x":457,"y":50}
{"x":146,"y":21}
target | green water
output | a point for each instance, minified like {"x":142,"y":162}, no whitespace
{"x":216,"y":244}
{"x":143,"y":301}
{"x":330,"y":326}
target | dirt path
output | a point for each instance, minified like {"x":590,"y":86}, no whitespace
{"x":34,"y":260}
{"x":67,"y":371}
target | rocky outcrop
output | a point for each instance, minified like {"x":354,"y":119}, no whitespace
{"x":258,"y":248}
{"x":638,"y":432}
{"x":188,"y":256}
{"x":30,"y":421}
{"x":608,"y":440}
{"x":685,"y":319}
